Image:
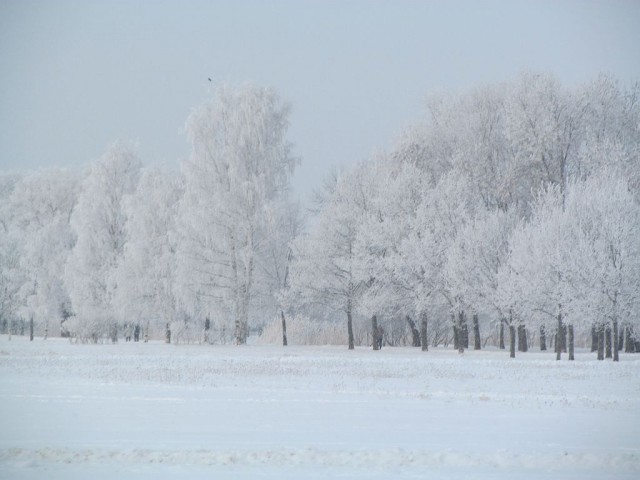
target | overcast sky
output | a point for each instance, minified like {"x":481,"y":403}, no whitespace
{"x":77,"y":75}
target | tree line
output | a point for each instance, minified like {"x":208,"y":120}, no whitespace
{"x":511,"y":209}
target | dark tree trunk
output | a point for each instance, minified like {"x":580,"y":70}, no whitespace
{"x":522,"y":339}
{"x":607,"y":339}
{"x":543,"y":339}
{"x":423,"y":332}
{"x":167,"y":334}
{"x":476,"y":333}
{"x":414,"y":332}
{"x":284,"y":329}
{"x":616,"y":349}
{"x":207,"y":327}
{"x":374,"y":333}
{"x":464,"y":330}
{"x":600,"y":342}
{"x":519,"y":335}
{"x":512,"y":340}
{"x":559,"y":337}
{"x":459,"y":332}
{"x":629,"y":344}
{"x":114,"y":332}
{"x":350,"y":328}
{"x":238,"y":330}
{"x":620,"y":338}
{"x":31,"y":328}
{"x":571,"y":350}
{"x":594,"y":338}
{"x":456,"y":334}
{"x":502,"y":321}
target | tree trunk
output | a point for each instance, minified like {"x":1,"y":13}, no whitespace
{"x":522,"y":339}
{"x":456,"y":336}
{"x":600,"y":342}
{"x":476,"y":333}
{"x":629,"y":344}
{"x":31,"y":328}
{"x":512,"y":340}
{"x":607,"y":339}
{"x":464,"y":328}
{"x":502,"y":321}
{"x":247,"y":288}
{"x":207,"y":327}
{"x":620,"y":338}
{"x":423,"y":332}
{"x":350,"y":327}
{"x":564,"y":338}
{"x":559,"y":337}
{"x":236,"y":287}
{"x":114,"y":332}
{"x":459,"y":331}
{"x":414,"y":332}
{"x":242,"y":318}
{"x":284,"y":329}
{"x":616,"y":357}
{"x":375,"y":333}
{"x":594,"y":338}
{"x":571,"y":350}
{"x":167,"y":334}
{"x":543,"y":339}
{"x":238,"y":331}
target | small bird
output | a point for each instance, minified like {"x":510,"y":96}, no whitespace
{"x":209,"y":78}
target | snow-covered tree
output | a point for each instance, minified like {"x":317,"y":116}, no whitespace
{"x":394,"y":192}
{"x":609,"y":130}
{"x":576,"y":261}
{"x":284,"y":224}
{"x":606,"y":265}
{"x":474,"y":259}
{"x":146,"y":274}
{"x":11,"y":274}
{"x":534,"y":280}
{"x":238,"y":172}
{"x":99,"y":222}
{"x":444,"y":211}
{"x":41,"y":206}
{"x":543,"y":125}
{"x":325,"y":266}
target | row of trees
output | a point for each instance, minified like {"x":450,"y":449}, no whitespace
{"x":128,"y":244}
{"x":518,"y":203}
{"x":515,"y":205}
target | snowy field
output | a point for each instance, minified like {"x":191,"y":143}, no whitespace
{"x":149,"y":411}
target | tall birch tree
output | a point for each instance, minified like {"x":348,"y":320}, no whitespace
{"x":239,"y":169}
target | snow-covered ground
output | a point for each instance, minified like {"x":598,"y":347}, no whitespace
{"x":149,"y":411}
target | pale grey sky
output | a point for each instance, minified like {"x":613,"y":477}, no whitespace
{"x":76,"y":75}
